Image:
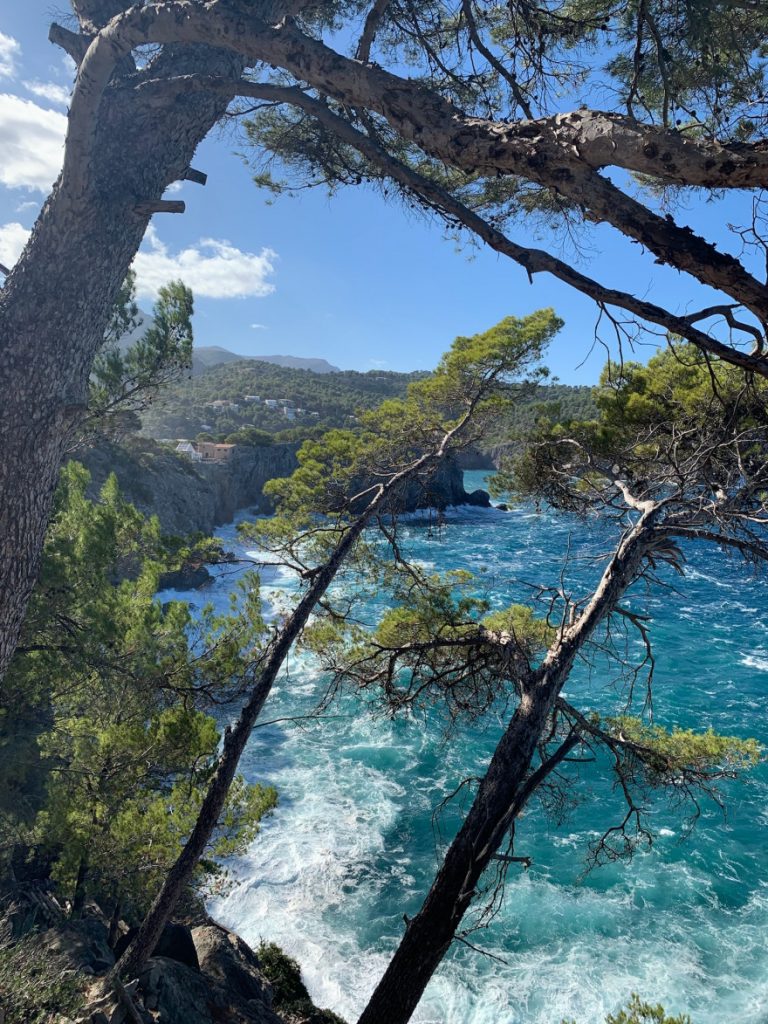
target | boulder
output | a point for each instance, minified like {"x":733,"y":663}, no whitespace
{"x":175,"y":943}
{"x":479,"y":498}
{"x":188,"y":577}
{"x":225,"y":959}
{"x":175,"y":994}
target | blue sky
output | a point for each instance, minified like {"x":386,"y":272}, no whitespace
{"x":350,"y":278}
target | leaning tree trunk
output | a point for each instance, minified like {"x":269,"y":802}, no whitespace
{"x":500,"y":797}
{"x":56,"y":301}
{"x":182,"y":871}
{"x":235,"y":739}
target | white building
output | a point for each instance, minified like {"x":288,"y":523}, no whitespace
{"x":188,"y":449}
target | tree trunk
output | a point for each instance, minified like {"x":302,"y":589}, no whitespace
{"x":236,"y":738}
{"x":56,"y":301}
{"x":500,"y":797}
{"x":78,"y":899}
{"x":114,"y":923}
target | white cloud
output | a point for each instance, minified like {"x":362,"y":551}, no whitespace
{"x":31,"y":141}
{"x":67,"y":67}
{"x":258,"y":327}
{"x":13,"y":238}
{"x":213,"y":269}
{"x":49,"y":91}
{"x":10,"y":51}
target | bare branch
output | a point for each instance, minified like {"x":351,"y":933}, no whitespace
{"x":73,"y":43}
{"x":370,"y":28}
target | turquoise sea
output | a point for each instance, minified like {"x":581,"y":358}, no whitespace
{"x":354,"y":843}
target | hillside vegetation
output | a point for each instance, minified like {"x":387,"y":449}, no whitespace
{"x":328,"y":400}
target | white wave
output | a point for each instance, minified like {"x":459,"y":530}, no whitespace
{"x":758,"y":661}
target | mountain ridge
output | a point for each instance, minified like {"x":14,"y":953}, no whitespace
{"x":206,"y":357}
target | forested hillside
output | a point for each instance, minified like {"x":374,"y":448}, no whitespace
{"x":316,"y":402}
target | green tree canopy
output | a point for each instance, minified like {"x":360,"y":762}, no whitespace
{"x":108,"y":740}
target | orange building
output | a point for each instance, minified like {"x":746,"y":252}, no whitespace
{"x":212,"y":452}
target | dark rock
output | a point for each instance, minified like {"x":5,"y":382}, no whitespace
{"x":502,"y":507}
{"x":188,"y":577}
{"x":471,"y":458}
{"x":479,"y":498}
{"x":177,"y":995}
{"x":175,"y":943}
{"x":195,"y":497}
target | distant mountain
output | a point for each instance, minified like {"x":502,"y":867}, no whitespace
{"x":207,"y":356}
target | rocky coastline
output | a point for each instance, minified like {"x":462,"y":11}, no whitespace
{"x":199,"y":972}
{"x":192,"y":497}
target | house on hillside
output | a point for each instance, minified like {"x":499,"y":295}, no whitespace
{"x":271,"y":403}
{"x":188,"y":448}
{"x":205,"y":451}
{"x":210,"y":451}
{"x":252,"y":398}
{"x":220,"y":404}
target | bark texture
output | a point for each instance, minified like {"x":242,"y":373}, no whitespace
{"x":56,"y":301}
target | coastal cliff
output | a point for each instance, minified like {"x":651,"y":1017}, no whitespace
{"x":192,"y":497}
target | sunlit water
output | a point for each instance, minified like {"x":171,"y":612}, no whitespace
{"x":353,"y":845}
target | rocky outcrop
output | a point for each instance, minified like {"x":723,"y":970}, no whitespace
{"x":478,"y":498}
{"x":175,"y":994}
{"x":175,"y":943}
{"x":231,"y":963}
{"x":201,"y":975}
{"x":188,"y":497}
{"x":195,"y":497}
{"x":472,"y":458}
{"x":83,"y":944}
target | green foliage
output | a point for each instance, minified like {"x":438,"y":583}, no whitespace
{"x":184,"y":406}
{"x":699,"y":67}
{"x":289,"y":994}
{"x":37,"y":986}
{"x":640,"y":1012}
{"x":432,"y":624}
{"x":132,"y":365}
{"x":530,"y":633}
{"x":654,"y":425}
{"x":110,"y":780}
{"x":477,"y":377}
{"x":338,"y":398}
{"x":249,"y":436}
{"x":669,"y":753}
{"x":436,"y":647}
